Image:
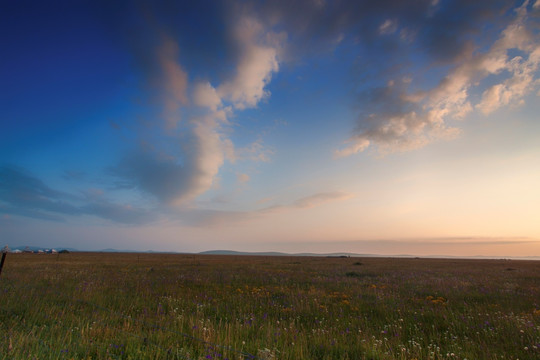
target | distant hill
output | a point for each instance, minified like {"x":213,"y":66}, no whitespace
{"x":277,"y":253}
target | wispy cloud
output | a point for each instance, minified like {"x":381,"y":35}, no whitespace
{"x":320,"y":199}
{"x":23,"y":194}
{"x":243,"y":178}
{"x":218,"y":218}
{"x":311,"y":201}
{"x":256,"y":151}
{"x":205,"y":218}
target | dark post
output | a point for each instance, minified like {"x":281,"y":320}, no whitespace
{"x":2,"y":262}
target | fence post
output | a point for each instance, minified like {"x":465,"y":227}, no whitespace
{"x":4,"y":253}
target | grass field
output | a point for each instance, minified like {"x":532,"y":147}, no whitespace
{"x":164,"y":306}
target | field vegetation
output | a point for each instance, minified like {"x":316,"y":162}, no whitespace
{"x":168,"y":306}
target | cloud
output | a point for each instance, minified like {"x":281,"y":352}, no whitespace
{"x":26,"y":194}
{"x":258,"y":59}
{"x":177,"y":164}
{"x":440,"y":30}
{"x":405,"y":120}
{"x":243,"y":178}
{"x":216,"y":218}
{"x":358,"y":144}
{"x":174,"y":178}
{"x":178,"y":173}
{"x":211,"y":218}
{"x":264,"y":200}
{"x":400,"y":123}
{"x":206,"y":96}
{"x":388,"y":27}
{"x":74,"y":175}
{"x":123,"y":214}
{"x":307,"y":202}
{"x":23,"y":194}
{"x":243,"y":44}
{"x":153,"y":172}
{"x":175,"y":81}
{"x":320,"y":199}
{"x":246,"y":47}
{"x":256,"y":151}
{"x":515,"y":88}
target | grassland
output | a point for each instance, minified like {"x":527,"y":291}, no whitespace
{"x":157,"y":306}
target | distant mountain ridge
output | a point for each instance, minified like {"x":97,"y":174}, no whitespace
{"x":346,"y":254}
{"x":277,"y":253}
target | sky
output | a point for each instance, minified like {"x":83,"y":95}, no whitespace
{"x":389,"y":127}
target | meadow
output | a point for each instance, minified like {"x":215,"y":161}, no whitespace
{"x":173,"y":306}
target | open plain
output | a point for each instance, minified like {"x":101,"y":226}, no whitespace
{"x":175,"y":306}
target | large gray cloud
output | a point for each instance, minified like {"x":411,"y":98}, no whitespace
{"x":174,"y":177}
{"x":398,"y":116}
{"x":194,"y":114}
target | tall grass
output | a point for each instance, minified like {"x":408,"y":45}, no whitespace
{"x":156,"y":306}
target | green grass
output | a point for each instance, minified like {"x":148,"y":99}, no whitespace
{"x":154,"y":306}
